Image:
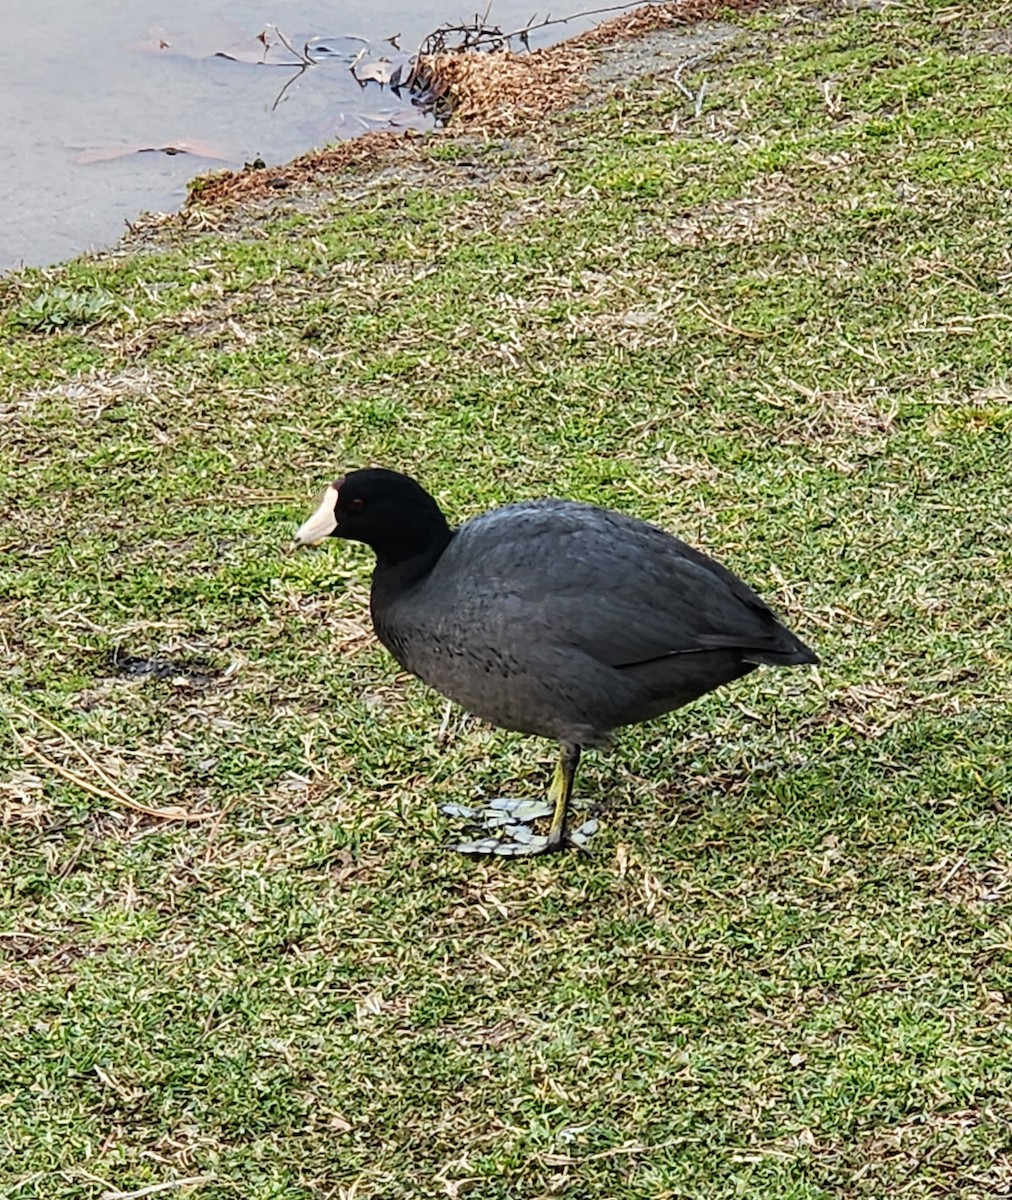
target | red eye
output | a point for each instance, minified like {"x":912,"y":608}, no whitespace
{"x":356,"y":505}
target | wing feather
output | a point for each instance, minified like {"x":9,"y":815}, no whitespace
{"x":566,"y":574}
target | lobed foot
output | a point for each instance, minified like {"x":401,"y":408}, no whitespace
{"x":501,"y":811}
{"x":509,"y":825}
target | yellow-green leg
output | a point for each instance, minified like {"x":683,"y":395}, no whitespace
{"x":559,"y":794}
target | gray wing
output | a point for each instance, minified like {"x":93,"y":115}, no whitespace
{"x":624,"y":592}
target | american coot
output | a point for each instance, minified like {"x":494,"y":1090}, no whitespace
{"x":549,"y":617}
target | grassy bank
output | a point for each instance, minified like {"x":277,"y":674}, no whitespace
{"x":782,"y":330}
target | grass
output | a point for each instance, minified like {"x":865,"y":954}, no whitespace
{"x":783,"y":331}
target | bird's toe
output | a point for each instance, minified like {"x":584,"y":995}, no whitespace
{"x":517,"y":841}
{"x":500,"y":812}
{"x":580,"y":837}
{"x":505,"y":828}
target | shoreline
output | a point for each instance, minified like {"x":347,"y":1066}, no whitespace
{"x":493,"y":95}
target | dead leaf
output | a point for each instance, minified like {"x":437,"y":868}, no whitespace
{"x":183,"y":146}
{"x":377,"y":70}
{"x":220,"y":39}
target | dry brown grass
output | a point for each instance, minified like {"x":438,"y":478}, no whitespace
{"x":506,"y":91}
{"x":252,"y":183}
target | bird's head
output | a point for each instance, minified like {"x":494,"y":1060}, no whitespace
{"x":384,"y":509}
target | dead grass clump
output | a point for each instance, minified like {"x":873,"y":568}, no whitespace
{"x":257,"y":183}
{"x":502,"y":91}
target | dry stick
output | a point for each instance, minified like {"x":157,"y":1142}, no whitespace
{"x":85,"y":784}
{"x":699,"y":99}
{"x":707,"y":315}
{"x":304,"y":57}
{"x":112,"y":790}
{"x":281,"y":95}
{"x":687,"y":92}
{"x":102,"y":773}
{"x":549,"y":20}
{"x":305,"y":62}
{"x":684,"y":65}
{"x":152,"y":1189}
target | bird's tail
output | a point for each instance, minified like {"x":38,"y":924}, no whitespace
{"x":788,"y":651}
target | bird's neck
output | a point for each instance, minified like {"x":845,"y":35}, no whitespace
{"x":400,"y":566}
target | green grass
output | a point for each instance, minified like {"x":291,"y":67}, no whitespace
{"x":783,"y":331}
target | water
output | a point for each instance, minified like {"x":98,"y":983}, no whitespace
{"x":85,"y":86}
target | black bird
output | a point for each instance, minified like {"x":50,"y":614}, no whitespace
{"x":549,"y":617}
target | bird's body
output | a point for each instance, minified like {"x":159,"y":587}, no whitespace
{"x":550,"y":617}
{"x":567,"y":621}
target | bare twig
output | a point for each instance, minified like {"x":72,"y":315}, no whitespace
{"x":86,"y":785}
{"x":306,"y":61}
{"x":478,"y":32}
{"x":697,"y":96}
{"x":281,"y":95}
{"x":303,"y":56}
{"x":699,"y":99}
{"x":152,"y":1189}
{"x":705,"y":313}
{"x":677,"y":77}
{"x":108,"y":788}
